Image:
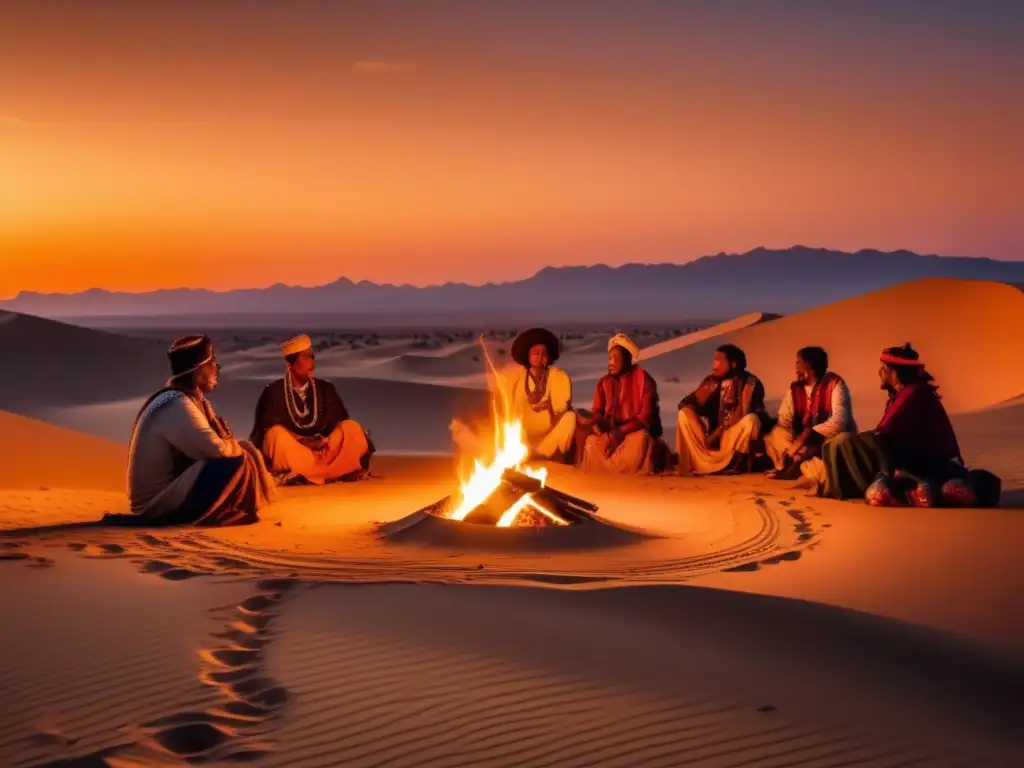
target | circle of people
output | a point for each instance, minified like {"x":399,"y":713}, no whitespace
{"x":186,"y":466}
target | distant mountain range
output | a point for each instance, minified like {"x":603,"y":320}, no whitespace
{"x":712,"y":287}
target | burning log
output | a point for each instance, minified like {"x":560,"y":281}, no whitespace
{"x":533,"y":485}
{"x":522,"y":501}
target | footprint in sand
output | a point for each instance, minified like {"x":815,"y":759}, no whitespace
{"x":152,"y":541}
{"x":745,"y":568}
{"x":180,"y":574}
{"x":258,"y":603}
{"x":784,"y":557}
{"x":278,"y":585}
{"x":193,"y":740}
{"x":235,"y":729}
{"x":169,"y":570}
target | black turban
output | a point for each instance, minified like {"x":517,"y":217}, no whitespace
{"x":189,"y":353}
{"x":527,"y":340}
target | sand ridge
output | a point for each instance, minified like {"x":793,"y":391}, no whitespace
{"x":950,"y":322}
{"x":287,"y":642}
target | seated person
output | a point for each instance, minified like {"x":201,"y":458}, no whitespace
{"x":536,"y":393}
{"x":719,"y":422}
{"x":914,"y":438}
{"x":184,"y":465}
{"x":303,"y":427}
{"x":622,"y":433}
{"x":816,"y":408}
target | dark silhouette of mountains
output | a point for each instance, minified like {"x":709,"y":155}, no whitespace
{"x":780,"y":281}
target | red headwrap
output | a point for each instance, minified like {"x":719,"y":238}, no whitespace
{"x":889,"y":358}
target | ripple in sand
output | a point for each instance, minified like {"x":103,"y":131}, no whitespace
{"x":250,"y":706}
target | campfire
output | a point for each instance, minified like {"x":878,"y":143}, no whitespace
{"x":516,"y":500}
{"x":506,"y":492}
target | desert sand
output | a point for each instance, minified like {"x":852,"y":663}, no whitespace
{"x":718,"y":621}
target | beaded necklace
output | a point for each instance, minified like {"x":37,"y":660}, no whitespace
{"x":297,"y":410}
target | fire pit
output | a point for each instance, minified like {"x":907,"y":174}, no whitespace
{"x":518,"y":501}
{"x":507,"y":493}
{"x":508,"y":505}
{"x":502,"y":492}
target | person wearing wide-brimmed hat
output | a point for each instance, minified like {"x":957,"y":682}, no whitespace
{"x":539,"y":394}
{"x":532,"y":391}
{"x":623,"y":433}
{"x":184,"y":464}
{"x":303,"y":427}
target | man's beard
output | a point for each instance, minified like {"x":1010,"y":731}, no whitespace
{"x":888,"y":388}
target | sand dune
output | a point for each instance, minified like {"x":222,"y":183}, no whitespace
{"x":40,"y":454}
{"x":95,"y":382}
{"x":141,"y":647}
{"x":624,"y":678}
{"x":950,"y":322}
{"x":689,"y":339}
{"x":402,"y":416}
{"x":66,"y":365}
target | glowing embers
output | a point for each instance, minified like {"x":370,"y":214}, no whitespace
{"x":505,"y":492}
{"x":517,"y":500}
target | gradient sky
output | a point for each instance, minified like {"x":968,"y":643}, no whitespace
{"x":216,"y":144}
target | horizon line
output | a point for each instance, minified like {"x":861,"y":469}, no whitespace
{"x":594,"y":265}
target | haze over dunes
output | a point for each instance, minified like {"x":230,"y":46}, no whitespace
{"x":711,"y":288}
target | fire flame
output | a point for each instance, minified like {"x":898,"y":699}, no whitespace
{"x":510,"y":452}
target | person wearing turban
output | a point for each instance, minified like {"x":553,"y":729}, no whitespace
{"x":303,"y":427}
{"x":719,"y":422}
{"x":621,"y":434}
{"x":184,"y":463}
{"x":912,"y":456}
{"x":534,"y":392}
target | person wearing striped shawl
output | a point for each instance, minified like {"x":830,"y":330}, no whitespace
{"x":184,"y":464}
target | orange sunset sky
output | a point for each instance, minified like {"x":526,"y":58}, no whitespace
{"x":230,"y":144}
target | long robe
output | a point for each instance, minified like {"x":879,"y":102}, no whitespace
{"x":184,"y":466}
{"x":736,"y":405}
{"x":617,"y":401}
{"x":280,"y":438}
{"x":914,"y":435}
{"x":272,"y":410}
{"x":549,"y":421}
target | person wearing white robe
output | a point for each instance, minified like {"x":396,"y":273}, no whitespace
{"x":533,"y":392}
